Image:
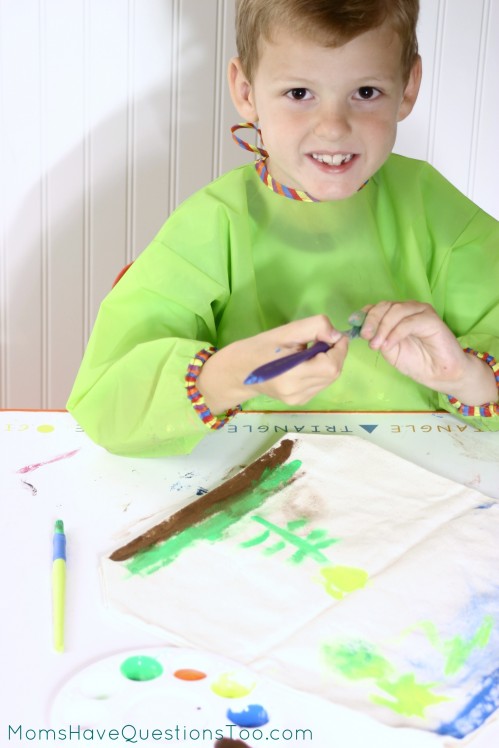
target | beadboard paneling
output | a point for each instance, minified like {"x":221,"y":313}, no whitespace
{"x":114,"y":111}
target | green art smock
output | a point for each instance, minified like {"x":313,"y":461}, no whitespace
{"x":236,"y":259}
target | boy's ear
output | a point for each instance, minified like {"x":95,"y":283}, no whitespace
{"x":241,"y":91}
{"x":411,"y":90}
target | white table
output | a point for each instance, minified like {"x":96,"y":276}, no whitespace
{"x":50,"y":469}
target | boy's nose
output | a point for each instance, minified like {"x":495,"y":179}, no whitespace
{"x":332,"y":123}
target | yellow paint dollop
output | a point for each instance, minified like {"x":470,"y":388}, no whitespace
{"x":230,"y":687}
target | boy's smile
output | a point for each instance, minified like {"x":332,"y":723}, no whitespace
{"x":328,"y":115}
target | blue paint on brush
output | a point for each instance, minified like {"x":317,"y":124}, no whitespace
{"x":478,"y":709}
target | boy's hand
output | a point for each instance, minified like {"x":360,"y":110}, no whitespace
{"x":412,"y":337}
{"x":221,"y":380}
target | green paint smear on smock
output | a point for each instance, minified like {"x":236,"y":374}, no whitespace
{"x":215,"y":526}
{"x":339,"y":581}
{"x":409,"y":697}
{"x":458,"y":650}
{"x":356,"y":661}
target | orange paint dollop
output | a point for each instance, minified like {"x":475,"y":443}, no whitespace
{"x":189,"y":674}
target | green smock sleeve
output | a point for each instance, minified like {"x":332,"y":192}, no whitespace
{"x":129,"y":394}
{"x":456,"y":244}
{"x":472,"y":298}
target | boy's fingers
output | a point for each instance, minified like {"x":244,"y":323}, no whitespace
{"x":303,"y":331}
{"x":391,"y":320}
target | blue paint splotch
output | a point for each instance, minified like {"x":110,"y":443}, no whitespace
{"x":477,"y":710}
{"x":253,"y":715}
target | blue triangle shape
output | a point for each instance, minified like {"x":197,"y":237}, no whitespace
{"x":368,"y":427}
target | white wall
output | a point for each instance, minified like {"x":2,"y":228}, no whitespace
{"x":112,"y":111}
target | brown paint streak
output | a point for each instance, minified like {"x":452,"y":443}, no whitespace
{"x":208,"y":504}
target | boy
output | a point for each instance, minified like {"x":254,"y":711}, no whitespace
{"x":265,"y":260}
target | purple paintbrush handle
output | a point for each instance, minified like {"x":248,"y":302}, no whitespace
{"x":280,"y":365}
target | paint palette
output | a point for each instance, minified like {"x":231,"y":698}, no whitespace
{"x":185,"y":695}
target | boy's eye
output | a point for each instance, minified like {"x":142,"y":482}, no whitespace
{"x":367,"y":92}
{"x":298,"y":94}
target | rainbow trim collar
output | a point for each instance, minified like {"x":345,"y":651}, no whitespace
{"x":281,"y":189}
{"x":263,"y":172}
{"x":261,"y":166}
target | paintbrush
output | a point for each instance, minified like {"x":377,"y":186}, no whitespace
{"x":279,"y":365}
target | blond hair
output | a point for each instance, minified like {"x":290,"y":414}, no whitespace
{"x":330,"y":22}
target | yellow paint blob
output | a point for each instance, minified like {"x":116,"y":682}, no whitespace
{"x":339,"y":581}
{"x":230,"y":686}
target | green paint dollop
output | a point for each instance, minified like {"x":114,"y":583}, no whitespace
{"x":141,"y":668}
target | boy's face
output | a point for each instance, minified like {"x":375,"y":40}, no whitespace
{"x":328,"y":116}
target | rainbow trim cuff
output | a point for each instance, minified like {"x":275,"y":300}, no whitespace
{"x":489,"y":409}
{"x":196,"y":398}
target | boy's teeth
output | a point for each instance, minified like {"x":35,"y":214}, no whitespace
{"x":336,"y":160}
